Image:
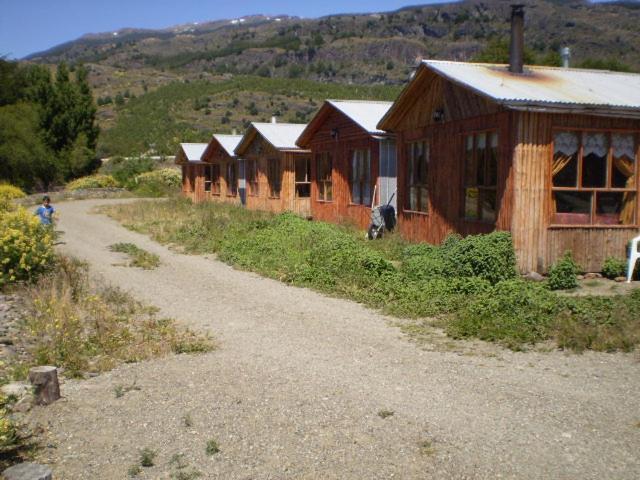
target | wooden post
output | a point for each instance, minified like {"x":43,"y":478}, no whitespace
{"x":45,"y":382}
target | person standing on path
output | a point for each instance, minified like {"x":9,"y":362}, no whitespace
{"x":45,"y":211}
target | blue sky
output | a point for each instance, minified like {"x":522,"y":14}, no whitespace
{"x":28,"y":26}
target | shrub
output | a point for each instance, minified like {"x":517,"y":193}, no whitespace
{"x":614,"y":267}
{"x":92,"y":181}
{"x":7,"y":193}
{"x":26,"y":246}
{"x":125,"y":170}
{"x":562,"y":274}
{"x":158,"y":182}
{"x":513,"y":312}
{"x":491,"y":257}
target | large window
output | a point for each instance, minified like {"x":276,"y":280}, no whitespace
{"x":594,"y":178}
{"x":480,"y":176}
{"x":231,"y":179}
{"x":208,"y":176}
{"x":273,"y":177}
{"x":252,"y":177}
{"x":324,"y":174}
{"x":360,"y":177}
{"x":215,"y":179}
{"x":303,"y":177}
{"x":417,"y":198}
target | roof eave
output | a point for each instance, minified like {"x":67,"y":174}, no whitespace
{"x":575,"y":109}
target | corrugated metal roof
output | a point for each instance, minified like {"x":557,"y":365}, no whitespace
{"x":545,"y":86}
{"x":280,"y":135}
{"x":228,"y":142}
{"x":365,"y":113}
{"x":193,"y":151}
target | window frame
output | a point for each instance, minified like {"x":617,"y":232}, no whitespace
{"x":322,"y":183}
{"x":307,"y":182}
{"x":274,"y":177}
{"x":484,"y":188}
{"x":215,"y":179}
{"x":251,"y":173}
{"x":231,"y":170}
{"x":406,"y":203}
{"x":594,"y":191}
{"x":362,"y":182}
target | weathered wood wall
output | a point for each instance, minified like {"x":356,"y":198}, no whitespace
{"x":537,"y":242}
{"x":193,"y":181}
{"x":261,"y":151}
{"x":350,"y":137}
{"x":218,"y":156}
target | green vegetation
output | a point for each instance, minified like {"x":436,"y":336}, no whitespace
{"x":7,"y":194}
{"x":160,"y":119}
{"x":157,"y":183}
{"x":92,"y":181}
{"x":147,"y":457}
{"x":562,"y":274}
{"x":48,"y":132}
{"x":139,"y":258}
{"x":212,"y":447}
{"x":470,"y":285}
{"x":614,"y":267}
{"x":125,"y":170}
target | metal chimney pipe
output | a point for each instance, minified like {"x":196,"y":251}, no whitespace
{"x":516,"y":50}
{"x":565,"y":53}
{"x":273,"y":119}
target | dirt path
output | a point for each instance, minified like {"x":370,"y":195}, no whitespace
{"x":295,"y":389}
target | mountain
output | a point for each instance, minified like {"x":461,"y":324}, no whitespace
{"x":140,"y":76}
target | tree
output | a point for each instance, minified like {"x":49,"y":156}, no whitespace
{"x":497,"y":51}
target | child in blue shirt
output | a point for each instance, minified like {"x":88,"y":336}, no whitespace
{"x":45,"y":211}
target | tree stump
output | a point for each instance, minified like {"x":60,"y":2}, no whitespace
{"x":27,"y":471}
{"x":45,"y":382}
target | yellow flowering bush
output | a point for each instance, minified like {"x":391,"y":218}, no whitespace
{"x":92,"y":181}
{"x":26,"y":247}
{"x":8,"y":193}
{"x":169,"y":177}
{"x":8,"y":434}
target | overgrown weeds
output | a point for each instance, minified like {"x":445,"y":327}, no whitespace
{"x":469,"y":284}
{"x":138,"y":257}
{"x":83,"y":327}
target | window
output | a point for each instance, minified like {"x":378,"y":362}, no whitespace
{"x":480,"y":176}
{"x":593,"y":175}
{"x":273,"y":177}
{"x":303,"y":177}
{"x":231,"y":179}
{"x":417,"y":197}
{"x":208,"y":176}
{"x":324,"y":172}
{"x":361,"y":177}
{"x":252,"y":177}
{"x":215,"y":179}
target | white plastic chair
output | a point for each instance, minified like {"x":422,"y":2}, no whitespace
{"x":634,"y":255}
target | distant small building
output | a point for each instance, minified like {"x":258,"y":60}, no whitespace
{"x":354,"y":162}
{"x":189,"y":157}
{"x":221,"y":169}
{"x":276,"y":170}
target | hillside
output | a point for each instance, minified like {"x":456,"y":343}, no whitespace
{"x":367,"y":49}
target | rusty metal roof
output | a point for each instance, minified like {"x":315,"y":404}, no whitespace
{"x":546,"y":88}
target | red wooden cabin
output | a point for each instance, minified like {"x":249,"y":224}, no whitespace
{"x":189,"y":157}
{"x":352,"y":158}
{"x":221,"y":168}
{"x":276,"y":170}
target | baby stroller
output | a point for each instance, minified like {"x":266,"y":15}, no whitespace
{"x":383,"y":217}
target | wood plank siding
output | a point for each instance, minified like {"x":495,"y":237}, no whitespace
{"x":441,"y":113}
{"x":347,"y":137}
{"x":216,"y":155}
{"x":262,"y":153}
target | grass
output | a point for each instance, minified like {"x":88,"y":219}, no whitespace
{"x":187,"y":420}
{"x":139,"y":258}
{"x":468,"y":287}
{"x":212,"y":447}
{"x":85,"y":326}
{"x":426,"y":447}
{"x":147,"y":457}
{"x":121,"y":390}
{"x":385,"y":413}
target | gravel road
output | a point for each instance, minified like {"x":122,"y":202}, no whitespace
{"x":297,"y":385}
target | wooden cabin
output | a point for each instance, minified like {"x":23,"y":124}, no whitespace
{"x":352,"y":160}
{"x":276,"y":170}
{"x":189,"y":157}
{"x":549,"y":154}
{"x":221,"y":169}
